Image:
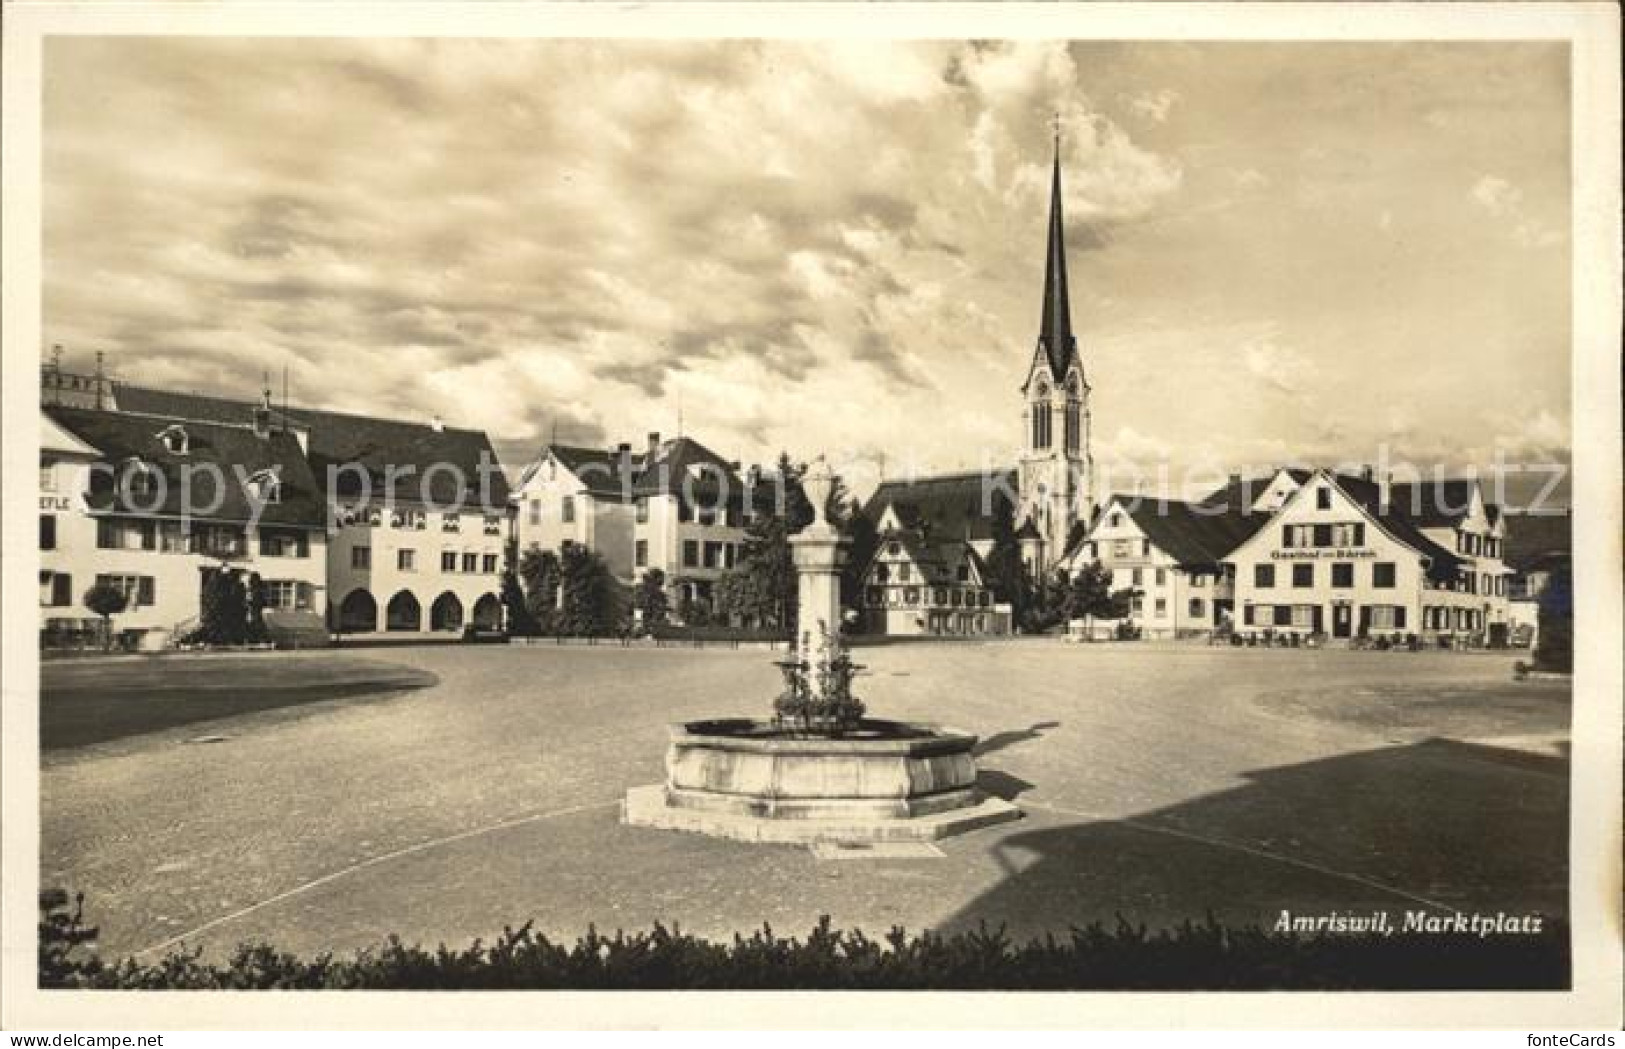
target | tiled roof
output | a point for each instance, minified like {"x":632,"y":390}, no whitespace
{"x":1196,"y":535}
{"x":678,"y":466}
{"x":1434,"y":504}
{"x":944,"y":507}
{"x":1394,"y":516}
{"x":444,"y":455}
{"x":1241,"y":493}
{"x":234,"y":453}
{"x":1534,"y":539}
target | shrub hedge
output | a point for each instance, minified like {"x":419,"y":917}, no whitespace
{"x":1191,"y":956}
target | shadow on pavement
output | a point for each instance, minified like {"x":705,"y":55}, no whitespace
{"x":1436,"y":826}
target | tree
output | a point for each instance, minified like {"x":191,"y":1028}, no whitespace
{"x":587,"y":606}
{"x":223,"y":609}
{"x":1090,"y":595}
{"x":254,"y":592}
{"x":865,"y":540}
{"x":539,"y":574}
{"x":1554,"y":647}
{"x":761,"y":587}
{"x":650,"y":600}
{"x":107,"y":601}
{"x":1006,"y":573}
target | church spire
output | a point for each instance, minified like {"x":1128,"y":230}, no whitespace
{"x":1055,"y":332}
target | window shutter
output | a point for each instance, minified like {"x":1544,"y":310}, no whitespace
{"x":47,"y":532}
{"x":62,"y":590}
{"x":149,"y":535}
{"x":106,"y":534}
{"x":144,"y":590}
{"x":1399,"y":617}
{"x":303,"y":593}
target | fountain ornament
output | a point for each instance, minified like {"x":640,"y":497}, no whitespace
{"x":817,"y":770}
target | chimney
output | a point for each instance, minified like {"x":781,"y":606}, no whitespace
{"x":654,"y":441}
{"x":436,"y":424}
{"x":623,"y":449}
{"x":262,"y":417}
{"x":1367,"y":473}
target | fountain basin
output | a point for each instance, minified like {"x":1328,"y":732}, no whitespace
{"x":880,"y":781}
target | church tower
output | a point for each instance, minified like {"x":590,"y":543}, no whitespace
{"x":1055,"y":468}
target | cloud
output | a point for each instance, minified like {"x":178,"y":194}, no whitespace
{"x":1154,"y":106}
{"x":1504,"y":200}
{"x":1282,"y":368}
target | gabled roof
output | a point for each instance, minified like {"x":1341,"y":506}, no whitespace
{"x":939,"y":563}
{"x":1434,"y":504}
{"x":944,"y":507}
{"x":1241,"y":493}
{"x":1195,"y":535}
{"x":220,"y":457}
{"x":1395,"y":519}
{"x":678,"y":466}
{"x":338,"y":439}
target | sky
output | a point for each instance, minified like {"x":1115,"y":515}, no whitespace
{"x":1278,"y":252}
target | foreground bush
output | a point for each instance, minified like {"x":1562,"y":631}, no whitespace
{"x":1190,"y":957}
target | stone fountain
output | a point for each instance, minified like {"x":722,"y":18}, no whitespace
{"x":818,"y":770}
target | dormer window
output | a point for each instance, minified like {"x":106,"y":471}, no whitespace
{"x":265,"y":486}
{"x":140,"y":477}
{"x":175,"y":440}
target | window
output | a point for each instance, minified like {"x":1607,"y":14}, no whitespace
{"x":1387,"y":617}
{"x":451,"y":523}
{"x":406,"y":560}
{"x":47,"y":478}
{"x":640,"y":553}
{"x":283,"y":544}
{"x":138,"y":590}
{"x":1162,"y":607}
{"x":488,"y":563}
{"x":1073,"y":429}
{"x":691,"y":553}
{"x":1263,"y":576}
{"x":61,"y":589}
{"x":963,"y":574}
{"x":1382,"y":574}
{"x":642,"y":511}
{"x":471,"y":562}
{"x":1123,"y":548}
{"x":894,"y":548}
{"x":1323,"y":498}
{"x":360,"y":557}
{"x":1117,"y":518}
{"x":281,"y":593}
{"x":567,"y":509}
{"x":47,"y":531}
{"x":911,"y":595}
{"x":1283,"y":615}
{"x":1303,"y":575}
{"x":1137,"y":576}
{"x":707,"y":516}
{"x":1343,"y":575}
{"x":535,"y":511}
{"x":265,"y":487}
{"x":905,"y":571}
{"x":1162,"y":577}
{"x":882,"y":572}
{"x":1145,"y":548}
{"x":448,"y":560}
{"x":493,"y":524}
{"x":1322,"y":535}
{"x":1303,"y":616}
{"x":939,"y":596}
{"x":1198,"y":609}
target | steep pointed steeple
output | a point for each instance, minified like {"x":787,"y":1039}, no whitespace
{"x":1055,"y":331}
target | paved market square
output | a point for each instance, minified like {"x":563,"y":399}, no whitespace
{"x":481,"y":788}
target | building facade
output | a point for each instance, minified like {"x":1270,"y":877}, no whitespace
{"x":672,"y":506}
{"x":416,"y":514}
{"x":147,"y":504}
{"x":1349,"y":557}
{"x":914,"y":586}
{"x":1169,"y":557}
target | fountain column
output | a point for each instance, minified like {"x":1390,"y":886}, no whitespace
{"x":820,"y":552}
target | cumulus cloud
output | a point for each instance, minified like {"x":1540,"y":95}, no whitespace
{"x":460,"y":216}
{"x":1505,"y":201}
{"x":1154,"y":106}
